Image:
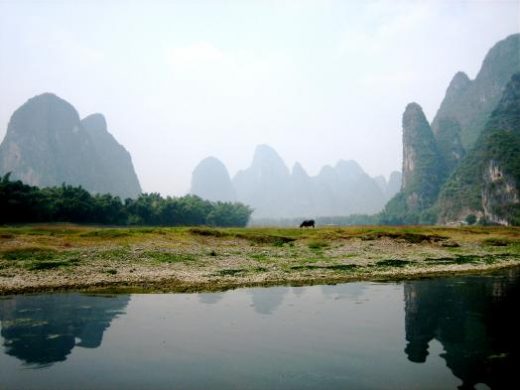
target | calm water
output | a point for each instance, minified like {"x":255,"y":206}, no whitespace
{"x":440,"y":333}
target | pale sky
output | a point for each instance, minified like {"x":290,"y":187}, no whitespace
{"x":318,"y":80}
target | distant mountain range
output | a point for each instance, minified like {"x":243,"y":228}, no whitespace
{"x":47,"y":144}
{"x":466,"y":165}
{"x":274,"y":191}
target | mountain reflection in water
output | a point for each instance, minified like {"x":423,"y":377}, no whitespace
{"x":429,"y":334}
{"x":41,"y":330}
{"x":265,"y":301}
{"x":474,"y":318}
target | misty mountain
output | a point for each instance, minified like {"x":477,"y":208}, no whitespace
{"x":447,"y":157}
{"x":46,"y":144}
{"x":347,"y":188}
{"x":302,"y":192}
{"x":392,"y":186}
{"x":467,"y":104}
{"x":118,"y":175}
{"x":211,"y":181}
{"x":265,"y":185}
{"x":274,"y":191}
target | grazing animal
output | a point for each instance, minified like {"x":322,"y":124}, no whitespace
{"x":307,"y":223}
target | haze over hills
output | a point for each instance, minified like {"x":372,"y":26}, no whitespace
{"x":464,"y":164}
{"x":392,"y":186}
{"x":487,"y":181}
{"x":468,"y":103}
{"x":471,"y":152}
{"x":274,"y":191}
{"x":211,"y":181}
{"x":47,"y":144}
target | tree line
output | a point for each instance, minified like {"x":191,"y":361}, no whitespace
{"x":22,"y":203}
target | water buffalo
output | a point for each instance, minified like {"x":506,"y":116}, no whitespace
{"x":307,"y":223}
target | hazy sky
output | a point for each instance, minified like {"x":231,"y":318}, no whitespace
{"x":178,"y":81}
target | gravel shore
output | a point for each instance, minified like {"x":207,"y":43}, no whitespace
{"x":67,"y":257}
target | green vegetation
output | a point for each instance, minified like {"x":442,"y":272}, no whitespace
{"x":34,"y":258}
{"x":478,"y":98}
{"x":318,"y":244}
{"x":487,"y":176}
{"x":499,"y":242}
{"x":403,"y":235}
{"x":421,"y":148}
{"x":448,"y":141}
{"x":392,"y":263}
{"x":230,"y":272}
{"x":48,"y":257}
{"x":252,"y":236}
{"x":169,"y":257}
{"x":490,"y":173}
{"x":29,"y":254}
{"x":471,"y":219}
{"x":333,"y":267}
{"x":469,"y":259}
{"x":397,"y":212}
{"x":20,"y":203}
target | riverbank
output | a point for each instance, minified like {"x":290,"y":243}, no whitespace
{"x":68,"y":257}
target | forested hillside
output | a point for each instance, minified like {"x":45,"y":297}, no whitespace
{"x":469,"y":154}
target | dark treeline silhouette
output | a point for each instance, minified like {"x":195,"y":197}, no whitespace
{"x":21,"y":203}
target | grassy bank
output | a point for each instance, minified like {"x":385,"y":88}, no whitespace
{"x":57,"y":257}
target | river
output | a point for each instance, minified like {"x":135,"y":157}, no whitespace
{"x":436,"y":333}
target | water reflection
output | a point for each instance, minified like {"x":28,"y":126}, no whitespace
{"x":344,"y":336}
{"x":41,"y":330}
{"x":298,"y":291}
{"x":475,"y":320}
{"x":210,"y":298}
{"x":352,"y":291}
{"x":266,"y":300}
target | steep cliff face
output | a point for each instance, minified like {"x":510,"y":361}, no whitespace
{"x":468,"y":103}
{"x":47,"y":144}
{"x":487,"y":181}
{"x":423,"y":171}
{"x":423,"y":167}
{"x":449,"y":143}
{"x":117,"y":176}
{"x":500,"y":193}
{"x":466,"y":144}
{"x":210,"y":180}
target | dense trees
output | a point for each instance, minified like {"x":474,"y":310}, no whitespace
{"x":20,"y":203}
